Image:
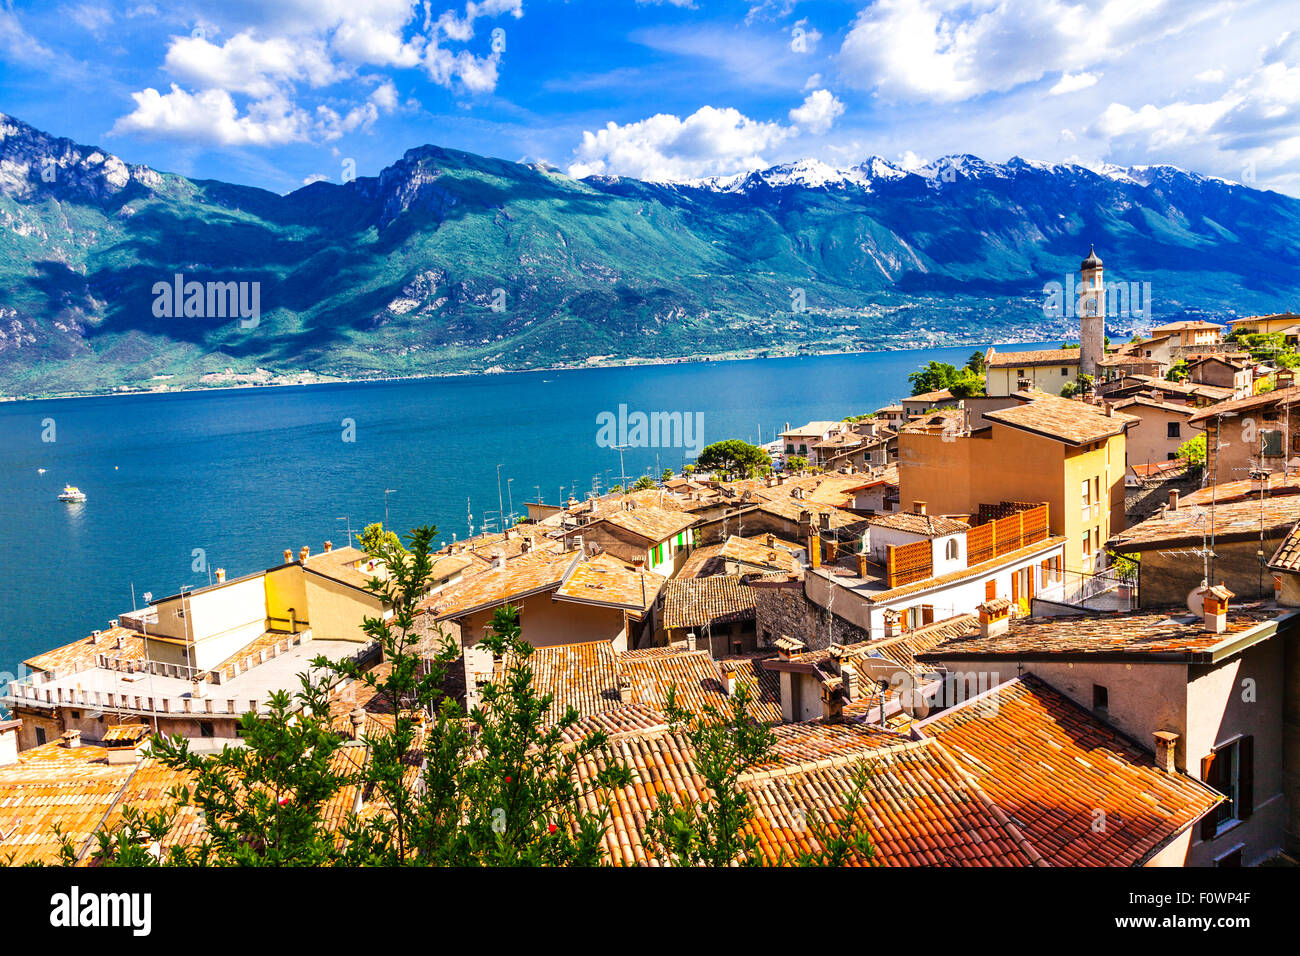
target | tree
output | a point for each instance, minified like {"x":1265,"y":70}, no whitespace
{"x":734,"y":458}
{"x":796,"y":463}
{"x":666,"y":476}
{"x":1069,"y":389}
{"x":1193,"y":450}
{"x":976,"y":363}
{"x":1126,"y":566}
{"x":936,"y":376}
{"x":374,"y":536}
{"x":726,"y":743}
{"x":1178,"y":372}
{"x":644,"y":482}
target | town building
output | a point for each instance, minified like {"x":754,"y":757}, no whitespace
{"x":1068,"y":454}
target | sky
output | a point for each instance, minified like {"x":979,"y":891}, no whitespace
{"x":279,"y":94}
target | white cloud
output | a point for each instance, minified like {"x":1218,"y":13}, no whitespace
{"x":950,"y":51}
{"x":818,"y":112}
{"x":277,"y":78}
{"x":245,"y":64}
{"x":211,"y":116}
{"x":1071,"y":82}
{"x":709,"y":142}
{"x":1210,"y":76}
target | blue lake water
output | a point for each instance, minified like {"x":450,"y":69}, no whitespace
{"x":244,"y":474}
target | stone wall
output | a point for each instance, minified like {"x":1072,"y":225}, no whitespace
{"x":782,"y":610}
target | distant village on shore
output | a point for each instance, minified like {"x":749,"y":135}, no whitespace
{"x":1045,"y":590}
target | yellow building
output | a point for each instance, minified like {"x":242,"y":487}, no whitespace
{"x":1041,"y":449}
{"x":1288,"y":323}
{"x":1046,"y":369}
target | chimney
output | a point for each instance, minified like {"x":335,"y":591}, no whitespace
{"x":304,"y":553}
{"x":788,"y":647}
{"x":892,"y":623}
{"x":771,"y":541}
{"x":119,"y":642}
{"x":499,"y":560}
{"x":358,"y":720}
{"x":918,"y":507}
{"x":527,"y":544}
{"x":1110,"y":409}
{"x":288,"y":556}
{"x":825,"y":519}
{"x":221,"y":575}
{"x":624,"y":690}
{"x":995,"y":617}
{"x":1166,"y":747}
{"x":690,"y":640}
{"x":72,"y":739}
{"x":728,"y":671}
{"x":1214,"y":603}
{"x":832,"y":702}
{"x":814,"y":550}
{"x":862,"y":564}
{"x":1173,"y":499}
{"x":94,"y":637}
{"x":329,"y":546}
{"x":9,"y":741}
{"x":849,"y":677}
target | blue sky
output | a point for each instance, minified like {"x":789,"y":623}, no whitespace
{"x":277,"y":94}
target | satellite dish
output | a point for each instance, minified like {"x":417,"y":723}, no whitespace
{"x":912,"y":698}
{"x":1195,"y":603}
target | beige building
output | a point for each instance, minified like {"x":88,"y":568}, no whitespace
{"x":1160,"y":429}
{"x":1006,"y":373}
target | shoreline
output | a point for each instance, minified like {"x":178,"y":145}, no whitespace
{"x":625,"y":363}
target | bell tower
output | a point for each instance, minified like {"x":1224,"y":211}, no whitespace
{"x":1092,"y":314}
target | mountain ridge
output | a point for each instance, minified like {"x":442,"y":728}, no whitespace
{"x":447,"y":262}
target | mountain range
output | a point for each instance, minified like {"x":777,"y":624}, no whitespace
{"x":450,"y":262}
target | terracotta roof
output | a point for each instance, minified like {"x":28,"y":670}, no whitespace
{"x":764,"y":685}
{"x":1065,"y":420}
{"x":582,"y":676}
{"x":1287,"y":556}
{"x":1281,"y":396}
{"x":719,"y":599}
{"x":1032,"y":359}
{"x":701,"y":562}
{"x":930,"y":526}
{"x":653,"y":524}
{"x":1057,"y":771}
{"x":1171,"y":634}
{"x":1152,"y":403}
{"x":754,"y":551}
{"x":72,"y":787}
{"x":125,"y":733}
{"x":1232,"y":520}
{"x":939,"y":395}
{"x":904,"y":648}
{"x":652,"y":671}
{"x":524,"y":575}
{"x":1189,"y":325}
{"x":604,"y":579}
{"x":81,"y":655}
{"x":919,"y":808}
{"x":1278,"y":484}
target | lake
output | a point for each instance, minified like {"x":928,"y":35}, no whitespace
{"x":237,"y":476}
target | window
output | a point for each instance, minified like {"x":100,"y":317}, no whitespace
{"x":1065,"y":371}
{"x":1230,"y":769}
{"x":950,"y":552}
{"x":927,"y":614}
{"x":1100,"y":697}
{"x":1271,"y":442}
{"x":205,"y":729}
{"x":1172,"y":430}
{"x":40,"y":736}
{"x":990,"y":589}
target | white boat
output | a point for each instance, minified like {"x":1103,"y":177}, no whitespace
{"x":72,"y":493}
